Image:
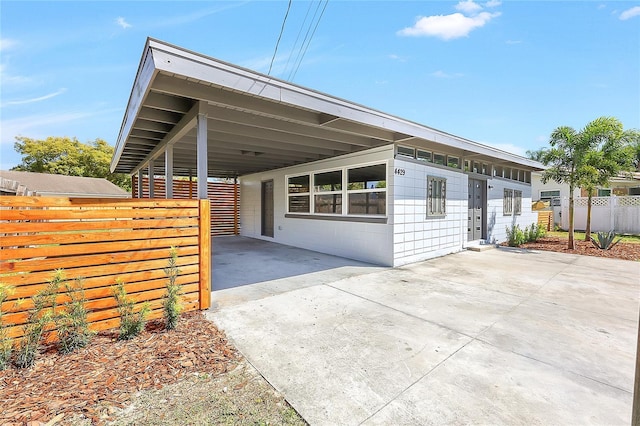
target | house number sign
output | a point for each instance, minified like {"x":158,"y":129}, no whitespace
{"x":399,"y":172}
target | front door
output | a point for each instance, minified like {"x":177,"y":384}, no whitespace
{"x":476,"y":209}
{"x":267,"y":208}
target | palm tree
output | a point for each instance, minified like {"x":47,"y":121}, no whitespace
{"x":609,"y":155}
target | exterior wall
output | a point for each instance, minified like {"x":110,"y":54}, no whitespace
{"x":537,"y":186}
{"x":497,"y":221}
{"x":369,"y":242}
{"x":416,"y":236}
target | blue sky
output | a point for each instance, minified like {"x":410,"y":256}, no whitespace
{"x":501,"y":73}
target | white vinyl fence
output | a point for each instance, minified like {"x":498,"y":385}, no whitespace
{"x":620,"y":214}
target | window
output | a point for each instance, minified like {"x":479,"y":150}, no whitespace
{"x":406,"y":151}
{"x":367,"y":190}
{"x":327,"y":188}
{"x":423,"y":155}
{"x":439,"y":159}
{"x":604,"y":192}
{"x":517,"y":202}
{"x":298,"y":194}
{"x":548,"y":195}
{"x":453,"y":162}
{"x":436,"y":196}
{"x":507,"y":202}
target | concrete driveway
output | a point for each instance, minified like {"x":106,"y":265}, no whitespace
{"x":496,"y":337}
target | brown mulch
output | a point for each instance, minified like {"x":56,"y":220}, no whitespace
{"x":108,"y":373}
{"x":625,"y":251}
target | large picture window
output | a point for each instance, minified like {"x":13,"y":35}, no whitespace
{"x":367,"y":190}
{"x":436,"y":196}
{"x":298,"y":194}
{"x":347,"y":191}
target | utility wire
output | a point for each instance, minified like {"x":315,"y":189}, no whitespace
{"x":280,"y":36}
{"x":309,"y":42}
{"x":298,"y":36}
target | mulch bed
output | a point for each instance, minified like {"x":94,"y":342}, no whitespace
{"x":108,"y":373}
{"x":625,"y":251}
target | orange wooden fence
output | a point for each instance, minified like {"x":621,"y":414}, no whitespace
{"x":100,"y":241}
{"x":545,"y":219}
{"x":224,"y":197}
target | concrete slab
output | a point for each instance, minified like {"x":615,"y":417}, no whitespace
{"x":501,"y":336}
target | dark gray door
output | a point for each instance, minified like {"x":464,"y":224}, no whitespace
{"x":267,"y":208}
{"x":476,"y":210}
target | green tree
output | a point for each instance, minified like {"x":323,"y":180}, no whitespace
{"x":68,"y":156}
{"x":536,"y":155}
{"x":610,"y":154}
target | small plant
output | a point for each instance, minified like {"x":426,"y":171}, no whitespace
{"x":171,"y":303}
{"x":73,"y":327}
{"x":131,"y":322}
{"x":605,"y":240}
{"x":44,"y":305}
{"x":6,"y":345}
{"x":515,"y":236}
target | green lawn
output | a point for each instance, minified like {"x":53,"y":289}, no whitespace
{"x":633,"y":239}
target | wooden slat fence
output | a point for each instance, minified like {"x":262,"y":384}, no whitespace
{"x":545,"y":219}
{"x":100,"y":241}
{"x":224,"y":197}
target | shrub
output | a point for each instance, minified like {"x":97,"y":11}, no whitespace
{"x":171,"y":303}
{"x":605,"y":240}
{"x":73,"y":327}
{"x":6,"y":345}
{"x":44,"y":305}
{"x":131,"y":322}
{"x":515,"y":236}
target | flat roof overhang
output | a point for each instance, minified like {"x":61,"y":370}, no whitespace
{"x":255,"y":122}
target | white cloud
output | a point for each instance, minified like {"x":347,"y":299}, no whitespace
{"x":493,"y":3}
{"x":7,"y":43}
{"x":513,"y":41}
{"x":33,"y":100}
{"x":122,"y":22}
{"x":630,"y":13}
{"x":602,"y":6}
{"x":442,"y":74}
{"x":468,"y":6}
{"x":448,"y":27}
{"x":39,"y":124}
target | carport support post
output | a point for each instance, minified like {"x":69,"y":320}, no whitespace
{"x":151,"y":179}
{"x":201,"y":140}
{"x":140,"y":191}
{"x":168,"y":172}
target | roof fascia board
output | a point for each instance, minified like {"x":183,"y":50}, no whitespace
{"x":140,"y":89}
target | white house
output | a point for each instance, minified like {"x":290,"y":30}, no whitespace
{"x":317,"y":171}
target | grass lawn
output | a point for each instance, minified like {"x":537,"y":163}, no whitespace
{"x":633,"y":239}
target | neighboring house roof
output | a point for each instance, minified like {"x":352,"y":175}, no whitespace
{"x":256,"y":122}
{"x":44,"y":184}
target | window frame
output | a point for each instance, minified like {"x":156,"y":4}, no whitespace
{"x":344,"y":192}
{"x":441,"y":210}
{"x":507,"y":202}
{"x":299,"y":194}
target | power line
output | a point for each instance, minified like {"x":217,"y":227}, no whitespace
{"x":280,"y":36}
{"x":298,"y":36}
{"x":303,"y":52}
